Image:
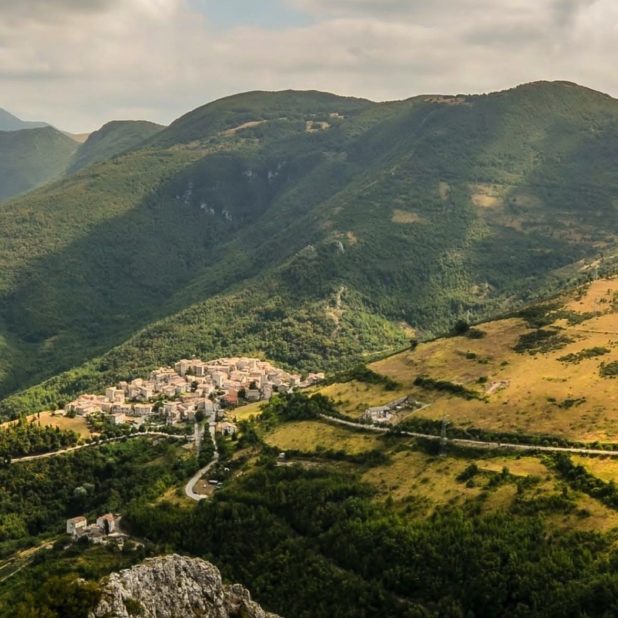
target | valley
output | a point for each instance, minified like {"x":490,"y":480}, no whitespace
{"x":362,"y":356}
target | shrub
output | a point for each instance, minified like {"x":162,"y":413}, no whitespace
{"x":609,"y":370}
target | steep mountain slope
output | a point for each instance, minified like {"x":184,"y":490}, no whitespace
{"x":31,"y":157}
{"x":9,"y":122}
{"x":308,"y":208}
{"x":112,"y":139}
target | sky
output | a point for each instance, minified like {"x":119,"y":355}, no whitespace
{"x":80,"y":63}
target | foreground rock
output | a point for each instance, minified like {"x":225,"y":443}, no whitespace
{"x":174,"y":586}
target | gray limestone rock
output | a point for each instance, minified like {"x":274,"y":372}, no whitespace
{"x":174,"y":587}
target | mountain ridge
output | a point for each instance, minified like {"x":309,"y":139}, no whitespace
{"x":112,"y":139}
{"x":10,"y":122}
{"x":424,"y":210}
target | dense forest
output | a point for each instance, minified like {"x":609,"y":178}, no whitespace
{"x":29,"y":438}
{"x":37,"y":497}
{"x":312,"y":543}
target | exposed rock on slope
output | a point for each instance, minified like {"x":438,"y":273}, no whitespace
{"x":172,"y":586}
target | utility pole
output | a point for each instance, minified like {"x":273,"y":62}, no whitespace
{"x":197,"y":437}
{"x":443,"y":438}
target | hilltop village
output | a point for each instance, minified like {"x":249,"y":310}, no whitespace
{"x":191,"y":387}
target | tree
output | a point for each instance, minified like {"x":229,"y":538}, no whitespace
{"x":461,"y":327}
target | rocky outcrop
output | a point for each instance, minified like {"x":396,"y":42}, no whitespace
{"x":173,"y":587}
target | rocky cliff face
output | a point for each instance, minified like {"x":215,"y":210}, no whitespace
{"x":174,"y":586}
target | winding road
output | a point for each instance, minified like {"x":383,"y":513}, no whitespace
{"x":72,"y":449}
{"x":509,"y":446}
{"x":190,"y":486}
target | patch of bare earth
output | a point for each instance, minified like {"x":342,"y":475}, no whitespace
{"x":405,"y":217}
{"x":444,"y":190}
{"x":245,"y":125}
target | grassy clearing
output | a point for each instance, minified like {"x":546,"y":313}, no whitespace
{"x":404,"y":216}
{"x":49,"y":419}
{"x":354,"y":397}
{"x":419,"y":483}
{"x":522,"y":466}
{"x":528,"y":393}
{"x":596,"y":297}
{"x":311,"y":436}
{"x":412,"y":475}
{"x":176,"y":497}
{"x":605,"y":469}
{"x":244,"y":413}
{"x":77,"y":424}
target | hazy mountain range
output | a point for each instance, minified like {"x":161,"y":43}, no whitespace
{"x":9,"y":122}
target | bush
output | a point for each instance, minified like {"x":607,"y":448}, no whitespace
{"x":609,"y":370}
{"x":461,"y":327}
{"x":298,"y":406}
{"x":458,"y":390}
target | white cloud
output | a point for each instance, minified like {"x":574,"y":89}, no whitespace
{"x":85,"y":62}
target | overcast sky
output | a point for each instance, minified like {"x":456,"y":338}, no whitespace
{"x":80,"y":63}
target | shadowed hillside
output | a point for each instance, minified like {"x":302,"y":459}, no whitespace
{"x":31,"y":157}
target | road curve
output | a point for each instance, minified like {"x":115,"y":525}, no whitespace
{"x":190,"y":486}
{"x":508,"y":446}
{"x":72,"y":449}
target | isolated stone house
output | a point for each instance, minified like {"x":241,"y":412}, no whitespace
{"x":76,"y":525}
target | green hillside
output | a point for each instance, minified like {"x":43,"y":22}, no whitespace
{"x":249,"y":221}
{"x":112,"y":139}
{"x":31,"y":157}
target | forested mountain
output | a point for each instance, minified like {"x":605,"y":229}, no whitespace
{"x":112,"y":139}
{"x":31,"y":157}
{"x":310,"y":227}
{"x":9,"y":122}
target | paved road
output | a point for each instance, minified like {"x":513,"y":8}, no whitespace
{"x":71,"y":449}
{"x":477,"y":443}
{"x":190,"y":486}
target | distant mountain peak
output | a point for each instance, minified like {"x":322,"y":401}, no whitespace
{"x":556,"y":87}
{"x":9,"y":122}
{"x":113,"y":138}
